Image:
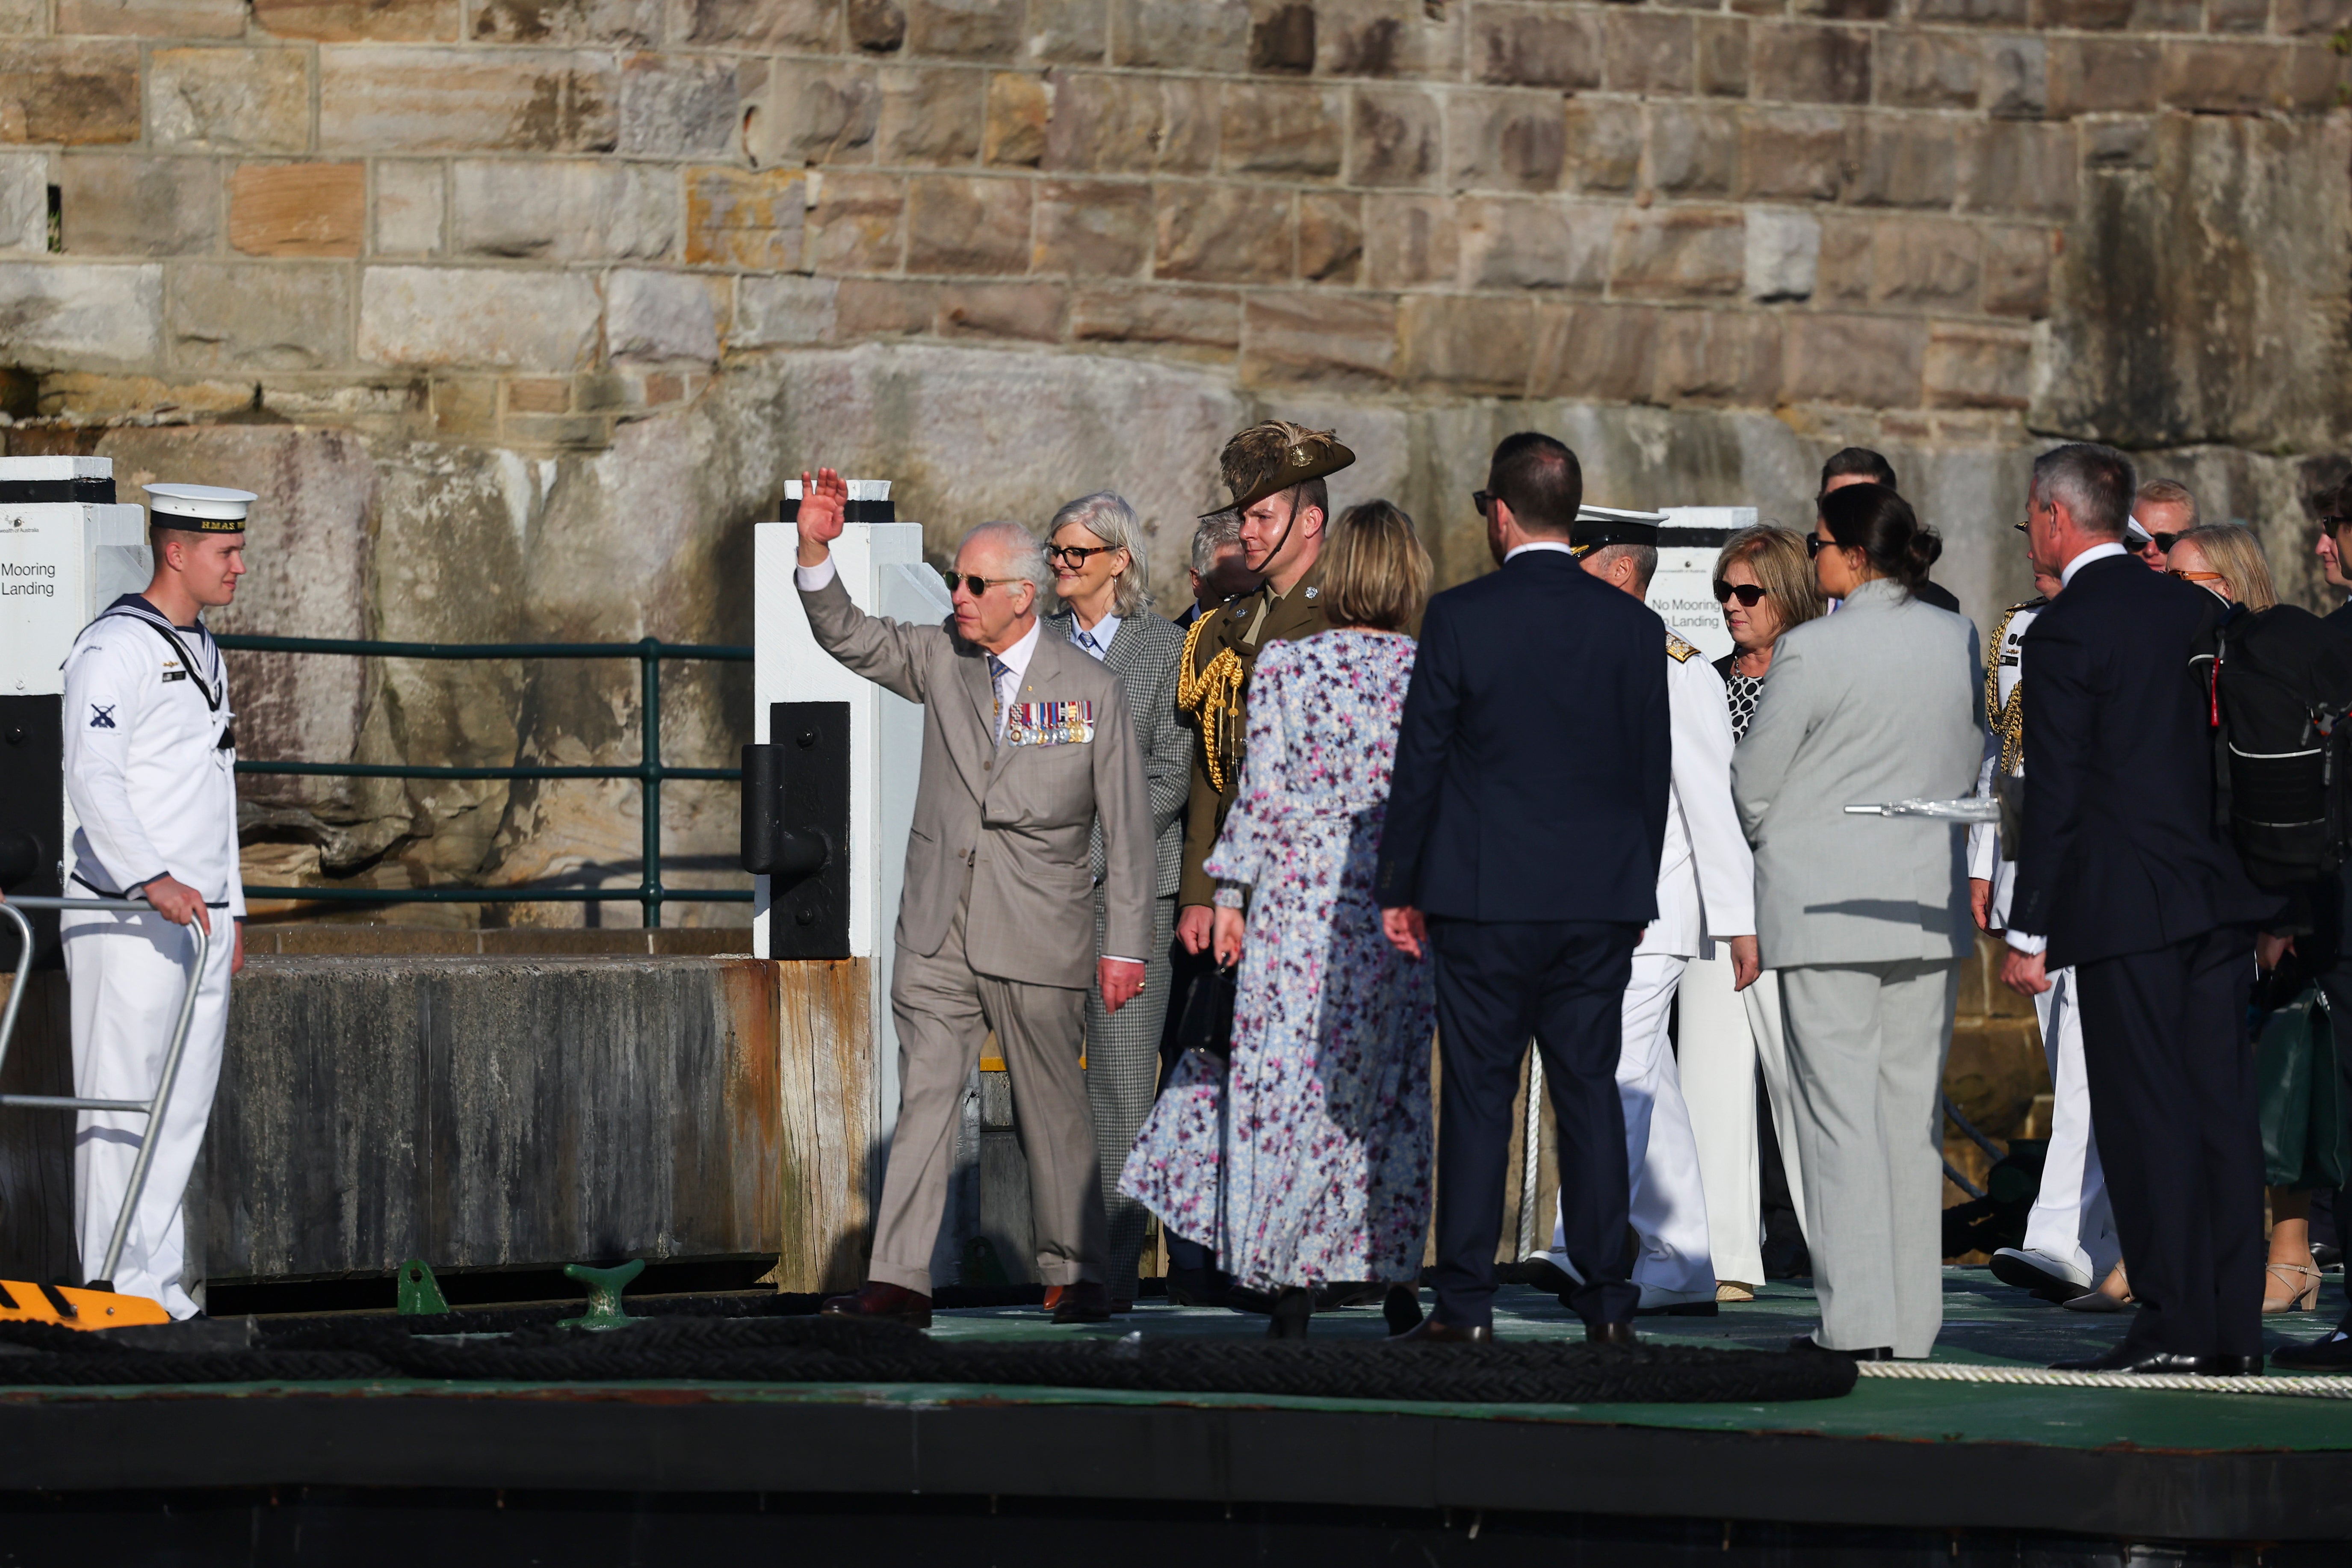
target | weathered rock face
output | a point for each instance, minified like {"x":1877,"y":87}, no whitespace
{"x":518,"y":315}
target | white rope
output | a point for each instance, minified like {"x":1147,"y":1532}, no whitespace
{"x":2042,"y":1377}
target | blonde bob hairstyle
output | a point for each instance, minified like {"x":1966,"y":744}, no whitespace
{"x":1107,"y":516}
{"x":1782,"y":565}
{"x":2231,"y":549}
{"x":1375,"y":572}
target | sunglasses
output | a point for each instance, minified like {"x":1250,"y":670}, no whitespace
{"x":1815,"y":544}
{"x":2163,"y":542}
{"x":1482,"y":499}
{"x":1750,"y":594}
{"x":976,"y":584}
{"x":1076,"y":556}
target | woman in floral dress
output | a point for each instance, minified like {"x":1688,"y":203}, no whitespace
{"x":1309,"y":1162}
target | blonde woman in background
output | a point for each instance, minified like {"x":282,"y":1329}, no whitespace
{"x":2226,"y":560}
{"x":1764,"y":581}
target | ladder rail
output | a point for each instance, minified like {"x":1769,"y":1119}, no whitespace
{"x":13,"y":908}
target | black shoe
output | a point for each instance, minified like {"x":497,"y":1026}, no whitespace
{"x":1401,"y":1308}
{"x":2027,"y":1271}
{"x":1293,"y":1309}
{"x":2326,"y":1256}
{"x":2128,"y":1357}
{"x":1084,"y":1302}
{"x":1197,"y":1288}
{"x":1430,"y":1331}
{"x":2229,"y":1366}
{"x":1550,"y":1275}
{"x":1611,"y":1334}
{"x":1805,"y":1344}
{"x":2333,"y":1353}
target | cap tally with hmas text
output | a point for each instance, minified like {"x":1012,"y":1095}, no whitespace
{"x":200,"y":509}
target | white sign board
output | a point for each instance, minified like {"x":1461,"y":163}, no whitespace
{"x":1684,"y":589}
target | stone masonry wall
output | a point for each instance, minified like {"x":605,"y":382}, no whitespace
{"x":519,"y":312}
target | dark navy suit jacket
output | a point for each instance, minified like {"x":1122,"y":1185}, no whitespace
{"x":1535,"y":754}
{"x":2120,"y":852}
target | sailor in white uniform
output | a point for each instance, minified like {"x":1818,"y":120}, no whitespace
{"x":1706,"y":893}
{"x":149,"y":770}
{"x":2070,"y":1236}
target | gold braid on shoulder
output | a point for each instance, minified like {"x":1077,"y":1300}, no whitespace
{"x":1214,"y":696}
{"x":2006,"y":720}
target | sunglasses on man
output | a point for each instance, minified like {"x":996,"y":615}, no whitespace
{"x":1483,"y":501}
{"x":1750,"y":594}
{"x":977,"y":584}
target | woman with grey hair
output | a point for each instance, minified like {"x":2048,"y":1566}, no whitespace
{"x":1095,"y":549}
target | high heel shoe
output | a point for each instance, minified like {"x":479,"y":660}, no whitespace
{"x":1292,"y":1308}
{"x":2302,"y":1280}
{"x":1401,"y":1308}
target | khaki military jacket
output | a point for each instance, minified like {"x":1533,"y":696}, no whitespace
{"x":1212,"y":695}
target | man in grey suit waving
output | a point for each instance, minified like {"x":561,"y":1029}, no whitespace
{"x":1025,"y":739}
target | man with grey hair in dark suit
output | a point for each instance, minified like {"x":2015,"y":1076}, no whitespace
{"x":1026,"y":740}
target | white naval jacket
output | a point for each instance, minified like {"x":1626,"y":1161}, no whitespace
{"x":1707,"y":874}
{"x":1985,"y":861}
{"x":153,"y":788}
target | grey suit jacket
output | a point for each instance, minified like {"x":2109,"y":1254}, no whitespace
{"x":1876,"y":702}
{"x":1144,"y":656}
{"x":1017,"y":816}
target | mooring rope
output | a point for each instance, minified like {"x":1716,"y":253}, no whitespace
{"x":2043,"y":1377}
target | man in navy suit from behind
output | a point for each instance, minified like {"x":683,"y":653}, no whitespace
{"x":1525,"y":823}
{"x":2123,"y":873}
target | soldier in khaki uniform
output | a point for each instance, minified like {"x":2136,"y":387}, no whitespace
{"x":1276,"y":471}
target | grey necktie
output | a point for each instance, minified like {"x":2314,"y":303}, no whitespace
{"x":997,"y":670}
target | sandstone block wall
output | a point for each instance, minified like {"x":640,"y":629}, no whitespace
{"x":519,"y":311}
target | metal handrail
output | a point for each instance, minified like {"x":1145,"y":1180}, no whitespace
{"x":13,"y":908}
{"x":648,"y":771}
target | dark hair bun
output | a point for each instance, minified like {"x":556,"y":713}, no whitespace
{"x":1882,"y":525}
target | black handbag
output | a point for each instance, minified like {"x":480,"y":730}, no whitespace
{"x":1207,"y":1023}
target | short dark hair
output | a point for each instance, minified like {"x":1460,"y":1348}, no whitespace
{"x":1881,"y":524}
{"x":1539,"y":480}
{"x":1859,"y":460}
{"x":2098,"y":483}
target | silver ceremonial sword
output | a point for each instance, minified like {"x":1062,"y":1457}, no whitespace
{"x":1969,"y":812}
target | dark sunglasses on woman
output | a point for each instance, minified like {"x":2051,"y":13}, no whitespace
{"x":1750,"y":594}
{"x":1815,"y":544}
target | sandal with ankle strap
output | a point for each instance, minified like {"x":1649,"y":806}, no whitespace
{"x":2305,"y":1295}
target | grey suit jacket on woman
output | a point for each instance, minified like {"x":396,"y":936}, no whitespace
{"x":1144,"y":656}
{"x":1017,"y":817}
{"x":1876,"y":703}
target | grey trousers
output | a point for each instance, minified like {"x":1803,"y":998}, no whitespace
{"x":1122,"y":1076}
{"x":944,"y":1013}
{"x":1866,"y":1047}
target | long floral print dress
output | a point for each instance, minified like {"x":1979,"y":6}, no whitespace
{"x":1310,"y":1163}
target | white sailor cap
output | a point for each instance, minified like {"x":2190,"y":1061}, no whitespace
{"x":2138,"y":534}
{"x":202,"y":509}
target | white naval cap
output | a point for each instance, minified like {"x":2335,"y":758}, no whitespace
{"x":203,"y":508}
{"x":2137,"y":533}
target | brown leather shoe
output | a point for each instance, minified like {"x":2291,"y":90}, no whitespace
{"x":1088,"y":1301}
{"x":1432,"y":1333}
{"x":1611,"y":1334}
{"x":891,"y":1303}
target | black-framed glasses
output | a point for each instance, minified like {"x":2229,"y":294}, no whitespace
{"x":972,"y":581}
{"x":1815,"y":544}
{"x":1076,"y":556}
{"x":1750,"y":594}
{"x":1483,"y":501}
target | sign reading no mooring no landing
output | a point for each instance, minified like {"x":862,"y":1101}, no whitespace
{"x":1689,"y":538}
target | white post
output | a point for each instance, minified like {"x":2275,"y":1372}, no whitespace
{"x":881,"y":565}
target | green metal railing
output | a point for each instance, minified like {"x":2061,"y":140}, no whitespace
{"x":648,"y":771}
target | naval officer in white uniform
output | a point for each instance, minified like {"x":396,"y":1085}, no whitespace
{"x":1706,"y":893}
{"x":149,"y":770}
{"x":2069,"y":1237}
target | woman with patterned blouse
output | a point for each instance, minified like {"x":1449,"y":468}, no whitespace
{"x":1306,"y":1162}
{"x":1764,"y":581}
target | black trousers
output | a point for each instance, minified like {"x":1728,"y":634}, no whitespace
{"x":1562,"y":982}
{"x":2172,"y":1104}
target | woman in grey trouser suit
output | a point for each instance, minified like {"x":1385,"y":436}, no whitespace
{"x":1093,"y":548}
{"x":1867,"y":917}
